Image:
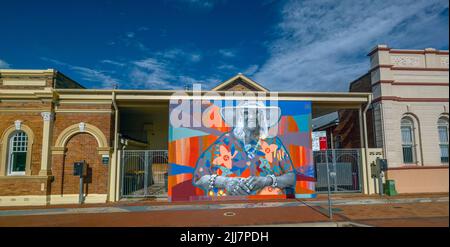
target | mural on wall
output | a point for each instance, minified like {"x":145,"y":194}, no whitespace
{"x":241,"y":150}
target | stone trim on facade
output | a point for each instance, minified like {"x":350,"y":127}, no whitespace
{"x":66,"y":134}
{"x":4,"y":148}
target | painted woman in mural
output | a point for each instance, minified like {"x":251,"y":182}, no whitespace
{"x":247,"y":160}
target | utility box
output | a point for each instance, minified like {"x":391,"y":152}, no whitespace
{"x":378,"y":166}
{"x":375,"y":169}
{"x":389,"y":188}
{"x":80,"y":168}
{"x":382,"y":163}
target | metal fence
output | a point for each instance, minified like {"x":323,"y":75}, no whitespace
{"x":143,"y":173}
{"x":344,"y":168}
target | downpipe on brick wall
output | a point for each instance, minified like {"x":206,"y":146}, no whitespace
{"x":366,"y":142}
{"x":116,"y":123}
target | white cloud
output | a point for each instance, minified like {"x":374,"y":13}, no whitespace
{"x":95,"y":76}
{"x":200,"y":4}
{"x":227,"y":52}
{"x":195,"y":57}
{"x":150,"y":72}
{"x":251,"y":70}
{"x":141,"y":46}
{"x":54,"y":61}
{"x":4,"y":64}
{"x":226,"y":67}
{"x":179,"y":54}
{"x":321,"y":44}
{"x":87,"y":74}
{"x":130,"y":34}
{"x":160,"y":74}
{"x":107,"y":61}
{"x":143,"y":29}
{"x":188,"y":80}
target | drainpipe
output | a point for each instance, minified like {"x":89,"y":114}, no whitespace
{"x":365,"y":140}
{"x":383,"y":136}
{"x":116,"y":124}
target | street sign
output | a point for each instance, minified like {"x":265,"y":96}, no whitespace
{"x":319,"y":140}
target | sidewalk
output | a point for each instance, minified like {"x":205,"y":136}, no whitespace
{"x":404,"y":210}
{"x":408,"y":214}
{"x":319,"y":199}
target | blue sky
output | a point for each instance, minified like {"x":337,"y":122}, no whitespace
{"x":317,"y":45}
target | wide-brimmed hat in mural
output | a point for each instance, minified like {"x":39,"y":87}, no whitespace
{"x":271,"y":114}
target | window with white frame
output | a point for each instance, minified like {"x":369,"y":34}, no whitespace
{"x":17,"y":158}
{"x":408,"y":147}
{"x":443,"y":138}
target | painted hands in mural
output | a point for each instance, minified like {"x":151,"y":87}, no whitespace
{"x":257,"y":183}
{"x":284,"y":181}
{"x":239,"y":186}
{"x":234,"y":186}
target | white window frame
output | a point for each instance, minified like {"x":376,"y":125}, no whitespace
{"x":412,"y":145}
{"x":22,"y":144}
{"x":443,"y":122}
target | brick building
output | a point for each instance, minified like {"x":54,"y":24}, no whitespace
{"x":37,"y":131}
{"x":408,"y":117}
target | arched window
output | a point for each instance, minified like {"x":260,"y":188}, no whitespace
{"x":17,"y":153}
{"x":408,"y":147}
{"x":443,"y":138}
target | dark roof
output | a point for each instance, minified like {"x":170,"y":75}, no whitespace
{"x":327,"y":120}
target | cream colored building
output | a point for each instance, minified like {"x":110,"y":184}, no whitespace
{"x":410,"y":116}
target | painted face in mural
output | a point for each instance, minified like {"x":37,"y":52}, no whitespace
{"x":247,"y":160}
{"x":250,"y":119}
{"x":250,"y":124}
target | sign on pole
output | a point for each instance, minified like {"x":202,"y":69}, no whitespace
{"x":319,"y":140}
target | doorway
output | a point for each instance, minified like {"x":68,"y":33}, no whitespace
{"x":144,"y":173}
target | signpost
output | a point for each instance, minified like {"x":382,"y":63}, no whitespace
{"x":330,"y":210}
{"x":80,"y":169}
{"x":319,"y":143}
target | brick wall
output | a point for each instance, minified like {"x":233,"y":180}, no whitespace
{"x":81,"y":146}
{"x":100,"y":120}
{"x":35,"y":122}
{"x":23,"y":186}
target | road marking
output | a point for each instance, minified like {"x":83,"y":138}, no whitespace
{"x":228,"y":214}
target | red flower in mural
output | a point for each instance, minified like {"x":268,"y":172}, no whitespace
{"x":225,"y":157}
{"x":269,"y":150}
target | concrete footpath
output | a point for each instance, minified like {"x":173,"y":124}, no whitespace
{"x":354,"y":211}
